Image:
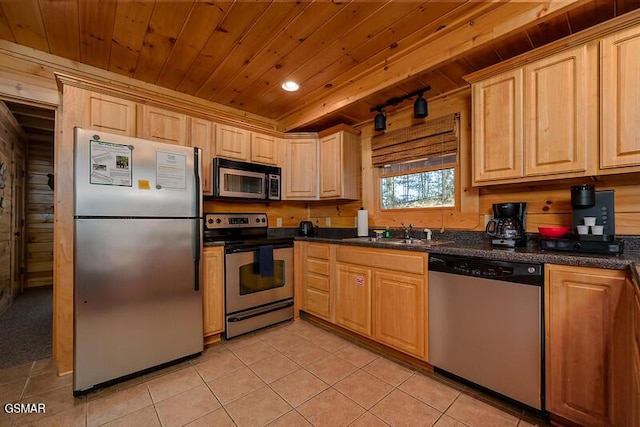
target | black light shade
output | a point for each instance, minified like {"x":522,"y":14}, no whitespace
{"x":380,"y":122}
{"x":420,"y":108}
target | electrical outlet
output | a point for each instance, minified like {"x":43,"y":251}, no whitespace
{"x":327,"y":221}
{"x":278,"y":222}
{"x":487,"y":218}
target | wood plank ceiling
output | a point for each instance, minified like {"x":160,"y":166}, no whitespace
{"x":237,"y":53}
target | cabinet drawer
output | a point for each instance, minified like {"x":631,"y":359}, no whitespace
{"x":318,"y":266}
{"x":318,"y":282}
{"x":318,"y":251}
{"x":316,"y":302}
{"x":405,"y":261}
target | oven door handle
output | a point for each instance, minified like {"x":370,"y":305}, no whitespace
{"x":255,"y":248}
{"x":260,"y":312}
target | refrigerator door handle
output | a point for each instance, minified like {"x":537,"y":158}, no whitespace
{"x":198,"y":199}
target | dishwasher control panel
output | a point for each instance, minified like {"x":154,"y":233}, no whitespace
{"x":517,"y":272}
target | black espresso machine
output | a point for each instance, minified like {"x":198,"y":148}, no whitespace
{"x":587,"y":204}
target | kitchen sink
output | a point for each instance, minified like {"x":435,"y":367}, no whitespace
{"x":399,"y":242}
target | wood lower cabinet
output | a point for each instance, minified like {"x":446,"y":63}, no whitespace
{"x":316,"y":286}
{"x":581,"y":305}
{"x":213,"y":293}
{"x":353,"y":297}
{"x":399,"y":310}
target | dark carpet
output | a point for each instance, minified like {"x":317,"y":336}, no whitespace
{"x":26,"y":327}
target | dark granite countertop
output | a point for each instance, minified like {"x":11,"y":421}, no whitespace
{"x":485,"y":250}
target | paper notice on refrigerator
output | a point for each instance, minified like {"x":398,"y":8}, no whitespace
{"x":110,"y":164}
{"x":171,"y":170}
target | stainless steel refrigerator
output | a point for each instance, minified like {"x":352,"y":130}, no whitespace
{"x":137,"y":251}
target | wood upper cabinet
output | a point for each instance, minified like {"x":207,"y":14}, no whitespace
{"x":497,"y":127}
{"x":264,"y":149}
{"x":232,"y":142}
{"x":339,"y":162}
{"x":316,"y":278}
{"x":300,"y":171}
{"x":620,"y":101}
{"x":537,"y":121}
{"x":109,"y":114}
{"x":581,"y":305}
{"x":560,"y":111}
{"x":201,"y":136}
{"x":161,"y":125}
{"x":213,"y":291}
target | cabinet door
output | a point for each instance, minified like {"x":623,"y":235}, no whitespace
{"x":558,"y":110}
{"x":620,"y":96}
{"x":202,"y":137}
{"x":163,"y":126}
{"x":213,"y":291}
{"x":581,"y":304}
{"x":109,"y":114}
{"x":497,"y":127}
{"x":399,"y":307}
{"x":331,"y":166}
{"x":300,"y":173}
{"x":232,"y":142}
{"x":264,"y":149}
{"x":353,"y":298}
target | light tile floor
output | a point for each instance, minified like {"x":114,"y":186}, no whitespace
{"x":293,"y":374}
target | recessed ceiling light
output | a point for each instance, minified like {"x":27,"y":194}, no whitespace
{"x":290,"y":86}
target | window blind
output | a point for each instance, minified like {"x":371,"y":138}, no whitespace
{"x":432,"y":138}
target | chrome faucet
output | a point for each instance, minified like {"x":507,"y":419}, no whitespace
{"x":407,"y":230}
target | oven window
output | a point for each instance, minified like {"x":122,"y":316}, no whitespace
{"x":251,"y":281}
{"x":243,"y":184}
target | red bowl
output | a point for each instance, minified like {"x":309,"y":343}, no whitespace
{"x":553,"y":231}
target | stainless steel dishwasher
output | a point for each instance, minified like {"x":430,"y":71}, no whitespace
{"x":486,"y":324}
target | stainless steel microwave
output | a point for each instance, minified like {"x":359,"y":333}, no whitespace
{"x":241,"y":180}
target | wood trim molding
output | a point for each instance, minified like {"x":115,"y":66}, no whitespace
{"x":464,"y":33}
{"x":586,"y":36}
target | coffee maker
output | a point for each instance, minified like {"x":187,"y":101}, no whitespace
{"x":508,"y":224}
{"x":589,"y":205}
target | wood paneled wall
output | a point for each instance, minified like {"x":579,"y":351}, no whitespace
{"x":39,"y":214}
{"x":11,"y":153}
{"x":549,"y":202}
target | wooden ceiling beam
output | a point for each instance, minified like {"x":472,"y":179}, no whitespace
{"x":467,"y":35}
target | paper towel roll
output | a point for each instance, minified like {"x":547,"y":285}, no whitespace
{"x":363,"y":222}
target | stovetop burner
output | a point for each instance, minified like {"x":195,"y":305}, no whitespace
{"x":240,"y":230}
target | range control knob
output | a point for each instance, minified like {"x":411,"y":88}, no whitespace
{"x":218,"y":221}
{"x":257,"y":219}
{"x":210,"y":221}
{"x":577,"y":246}
{"x":264,"y":220}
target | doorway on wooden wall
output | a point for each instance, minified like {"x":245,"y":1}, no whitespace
{"x":26,"y":327}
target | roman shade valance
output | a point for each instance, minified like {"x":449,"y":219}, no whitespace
{"x":432,"y":138}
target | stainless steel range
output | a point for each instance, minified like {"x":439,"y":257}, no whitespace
{"x":258,"y":271}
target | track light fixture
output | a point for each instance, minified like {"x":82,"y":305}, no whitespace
{"x":380,"y":121}
{"x":420,"y":108}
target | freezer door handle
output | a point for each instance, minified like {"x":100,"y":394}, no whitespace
{"x":198,"y":199}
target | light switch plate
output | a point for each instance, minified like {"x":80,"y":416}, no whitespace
{"x":327,"y":221}
{"x":278,"y":222}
